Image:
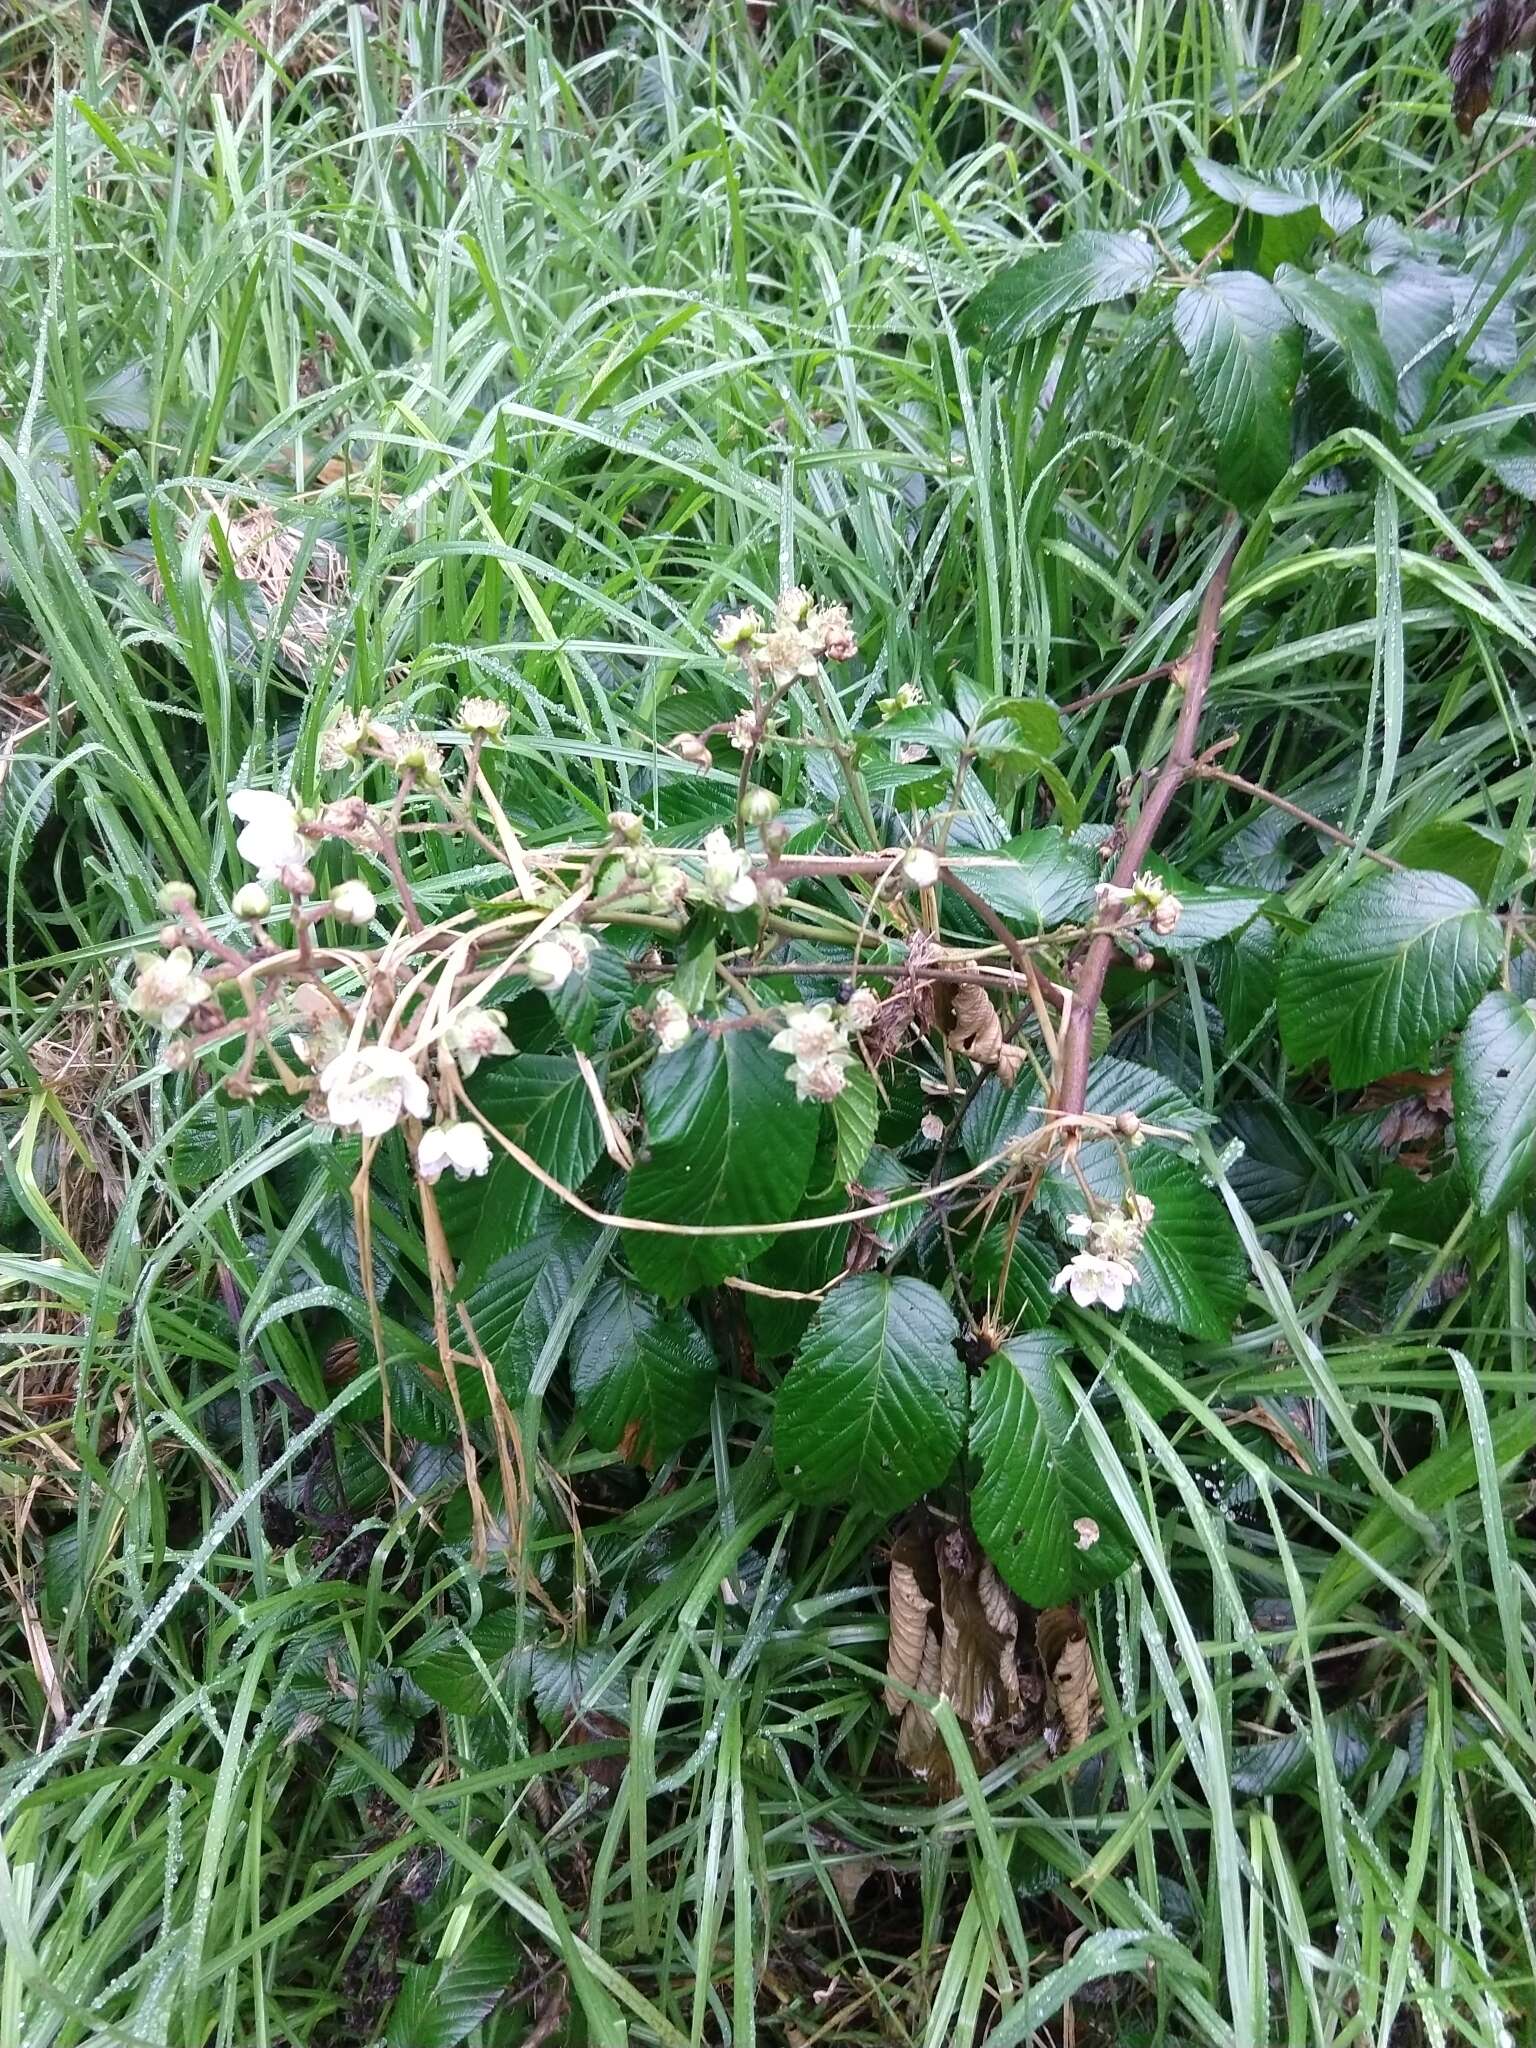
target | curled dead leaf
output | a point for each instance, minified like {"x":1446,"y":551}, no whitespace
{"x":978,"y":1033}
{"x":1067,"y":1656}
{"x":909,"y":1610}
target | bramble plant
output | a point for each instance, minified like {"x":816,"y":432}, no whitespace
{"x":768,"y":1141}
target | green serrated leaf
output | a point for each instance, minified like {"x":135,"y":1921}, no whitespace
{"x":1389,"y":968}
{"x":540,"y":1100}
{"x":1494,"y":1091}
{"x":725,"y":1142}
{"x":636,"y":1366}
{"x":1245,"y":973}
{"x":513,"y":1307}
{"x":1027,"y":729}
{"x":1087,"y":269}
{"x":1454,"y":846}
{"x":590,"y":1007}
{"x":1040,"y":1506}
{"x":1037,"y":881}
{"x":1244,"y":352}
{"x":856,"y":1116}
{"x":1287,"y":1764}
{"x":1347,"y":329}
{"x":872,"y":1409}
{"x":440,"y":2003}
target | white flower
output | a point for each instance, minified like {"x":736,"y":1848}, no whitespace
{"x":810,"y":1032}
{"x":932,"y":1127}
{"x":820,"y":1080}
{"x":742,"y":731}
{"x":1087,"y":1532}
{"x":168,"y":989}
{"x":830,"y":626}
{"x":482,"y":717}
{"x":354,"y":902}
{"x":669,"y":1021}
{"x":861,"y":1009}
{"x":370,"y":1087}
{"x":475,"y":1035}
{"x":270,"y":841}
{"x":342,"y":740}
{"x":728,"y":873}
{"x":461,"y":1146}
{"x":1116,"y":1234}
{"x":920,"y":866}
{"x":737,"y":631}
{"x":1094,"y":1279}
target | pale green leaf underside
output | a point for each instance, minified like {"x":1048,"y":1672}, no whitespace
{"x":1244,"y":353}
{"x":1087,"y":269}
{"x":1494,"y":1089}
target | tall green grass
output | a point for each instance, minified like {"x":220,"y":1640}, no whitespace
{"x":558,"y":353}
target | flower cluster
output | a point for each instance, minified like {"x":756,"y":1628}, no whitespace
{"x":1111,"y":1239}
{"x":801,"y":636}
{"x":815,"y":1036}
{"x":1149,"y":901}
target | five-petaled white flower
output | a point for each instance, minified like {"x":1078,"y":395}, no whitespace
{"x":728,"y":873}
{"x":168,"y":988}
{"x":475,"y":1035}
{"x":669,"y":1021}
{"x":270,"y":841}
{"x":369,"y":1088}
{"x":1092,"y":1278}
{"x":460,"y":1146}
{"x":810,"y":1032}
{"x":551,"y":963}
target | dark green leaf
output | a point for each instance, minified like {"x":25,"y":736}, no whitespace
{"x":1040,"y":1505}
{"x":1389,"y":968}
{"x":726,"y":1142}
{"x":1087,"y":269}
{"x":872,"y":1409}
{"x":1027,"y":729}
{"x":1452,"y":846}
{"x":1244,"y":353}
{"x":513,"y":1308}
{"x":1245,"y":973}
{"x":856,"y":1115}
{"x":1494,"y":1089}
{"x":1192,"y":1272}
{"x":440,"y":2003}
{"x":635,"y":1364}
{"x":591,"y":1006}
{"x":1286,"y":1763}
{"x":541,"y":1102}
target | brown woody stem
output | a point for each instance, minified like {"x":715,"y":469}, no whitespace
{"x":1194,"y":673}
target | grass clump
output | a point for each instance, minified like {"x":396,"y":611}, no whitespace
{"x":931,"y":618}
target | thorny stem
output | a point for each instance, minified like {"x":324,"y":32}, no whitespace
{"x":1207,"y":771}
{"x":1194,"y":673}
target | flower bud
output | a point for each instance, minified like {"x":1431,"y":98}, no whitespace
{"x":297,"y":879}
{"x":690,"y":748}
{"x":354,"y":902}
{"x":626,"y":825}
{"x":1128,"y":1123}
{"x":251,"y":901}
{"x":1144,"y":961}
{"x":171,"y":936}
{"x":920,"y":866}
{"x":176,"y":898}
{"x":759,"y":807}
{"x":548,"y":964}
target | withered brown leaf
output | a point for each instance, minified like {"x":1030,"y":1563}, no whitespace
{"x":978,"y":1033}
{"x":1068,"y":1659}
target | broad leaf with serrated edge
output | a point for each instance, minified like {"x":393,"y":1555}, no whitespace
{"x":1036,"y":881}
{"x":636,"y":1366}
{"x":1389,"y":968}
{"x":1245,"y":972}
{"x":1244,"y":353}
{"x":725,"y":1142}
{"x":873,"y":1407}
{"x":541,"y":1102}
{"x":856,"y":1115}
{"x":513,"y":1307}
{"x":1494,"y":1090}
{"x":1040,"y":1506}
{"x":1087,"y":269}
{"x":441,"y":2002}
